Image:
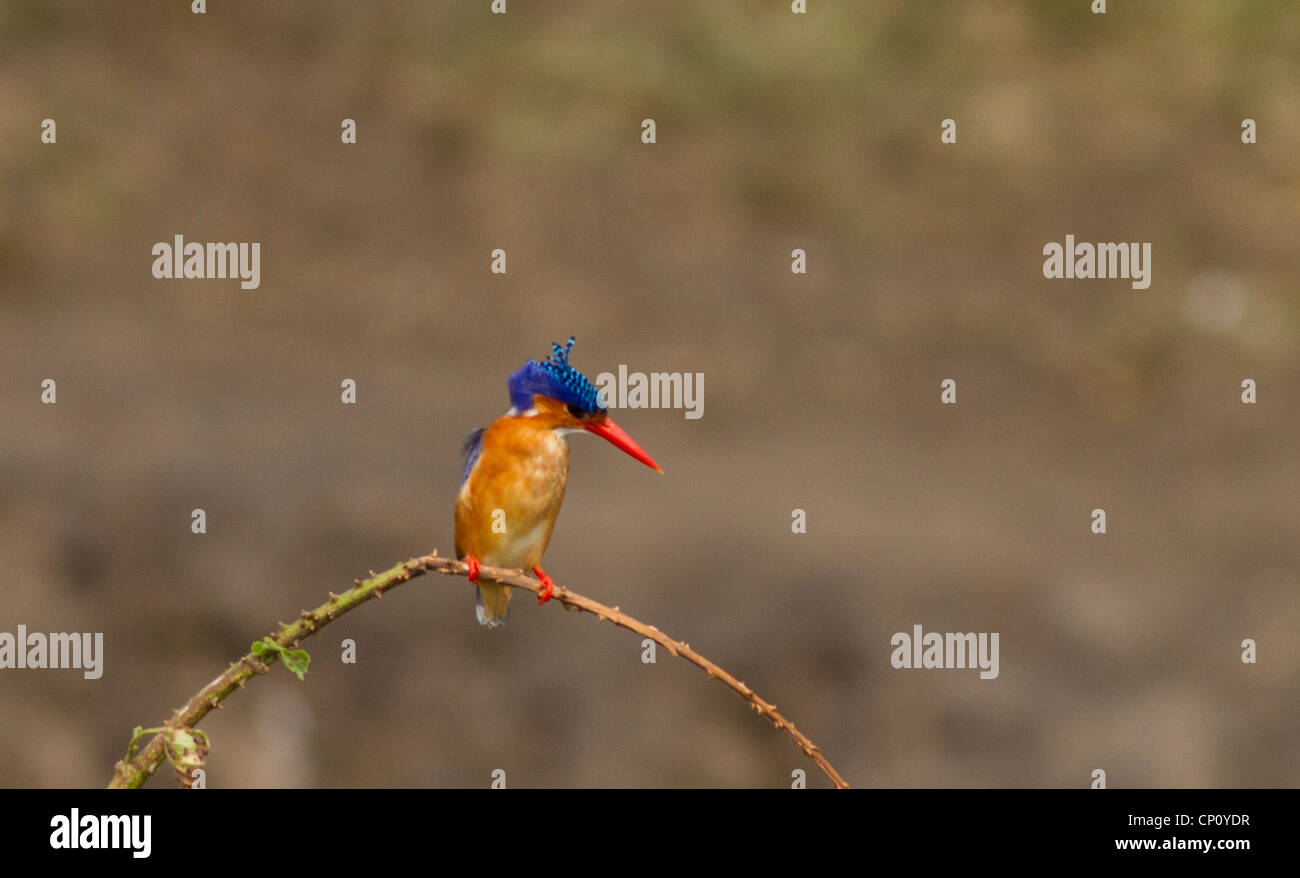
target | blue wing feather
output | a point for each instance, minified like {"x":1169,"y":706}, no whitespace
{"x":473,"y":446}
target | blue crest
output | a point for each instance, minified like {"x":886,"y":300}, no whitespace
{"x":554,"y":378}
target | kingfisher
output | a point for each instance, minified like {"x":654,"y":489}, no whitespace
{"x":516,"y":469}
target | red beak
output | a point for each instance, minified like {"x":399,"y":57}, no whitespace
{"x":615,"y":435}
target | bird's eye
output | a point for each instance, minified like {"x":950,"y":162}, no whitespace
{"x":575,"y":412}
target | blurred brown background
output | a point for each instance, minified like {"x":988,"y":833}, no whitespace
{"x":775,"y":131}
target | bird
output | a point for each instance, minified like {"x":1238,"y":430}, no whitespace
{"x":516,"y":470}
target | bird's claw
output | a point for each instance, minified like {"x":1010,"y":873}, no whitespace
{"x":548,"y":586}
{"x":472,"y":563}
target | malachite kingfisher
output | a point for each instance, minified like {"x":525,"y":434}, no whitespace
{"x":515,"y":473}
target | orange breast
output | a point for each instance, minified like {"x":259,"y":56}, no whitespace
{"x":508,"y":505}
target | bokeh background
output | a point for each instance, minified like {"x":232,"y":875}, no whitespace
{"x":775,"y":131}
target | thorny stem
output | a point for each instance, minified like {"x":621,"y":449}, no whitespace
{"x":133,"y":772}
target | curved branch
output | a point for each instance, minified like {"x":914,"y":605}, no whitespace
{"x":134,"y":772}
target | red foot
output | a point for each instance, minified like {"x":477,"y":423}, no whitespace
{"x":472,"y":563}
{"x":548,"y":585}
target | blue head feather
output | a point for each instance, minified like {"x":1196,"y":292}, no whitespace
{"x":554,"y":378}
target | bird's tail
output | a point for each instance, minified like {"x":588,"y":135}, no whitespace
{"x":493,"y":605}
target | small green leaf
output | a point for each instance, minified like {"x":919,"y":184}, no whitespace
{"x":296,"y":660}
{"x":187,"y":750}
